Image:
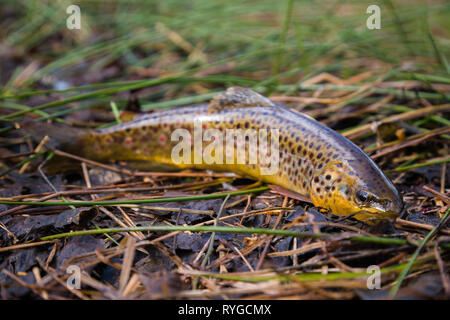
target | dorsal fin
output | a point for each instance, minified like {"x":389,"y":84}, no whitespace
{"x":238,"y":97}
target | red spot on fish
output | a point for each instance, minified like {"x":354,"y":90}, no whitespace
{"x":204,"y":127}
{"x":128,"y":140}
{"x":108,"y":140}
{"x":162,"y":139}
{"x":146,"y":150}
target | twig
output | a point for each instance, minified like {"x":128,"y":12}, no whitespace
{"x":138,"y":201}
{"x":269,"y":239}
{"x":441,"y":196}
{"x":400,"y":222}
{"x":127,"y":263}
{"x":91,"y":162}
{"x":410,"y":142}
{"x":405,"y":271}
{"x":36,"y":150}
{"x":211,"y":241}
{"x":357,"y":132}
{"x":276,"y":232}
{"x":24,"y":245}
{"x":444,"y":274}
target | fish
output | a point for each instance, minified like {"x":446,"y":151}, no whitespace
{"x":313,"y":162}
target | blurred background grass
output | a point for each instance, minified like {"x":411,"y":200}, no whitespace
{"x":252,"y":43}
{"x":171,"y":53}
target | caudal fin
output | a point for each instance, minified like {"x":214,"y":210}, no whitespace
{"x":60,"y":135}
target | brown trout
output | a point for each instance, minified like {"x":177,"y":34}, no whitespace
{"x":314,"y":161}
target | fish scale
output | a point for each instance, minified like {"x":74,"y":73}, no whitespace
{"x":133,"y":139}
{"x":315,"y":162}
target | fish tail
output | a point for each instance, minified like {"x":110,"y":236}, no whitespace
{"x":61,"y":136}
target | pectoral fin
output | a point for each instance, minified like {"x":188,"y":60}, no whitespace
{"x":289,"y":193}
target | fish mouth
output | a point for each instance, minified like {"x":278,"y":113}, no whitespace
{"x":389,"y":214}
{"x":375,"y":216}
{"x":395,"y":209}
{"x":400,"y":208}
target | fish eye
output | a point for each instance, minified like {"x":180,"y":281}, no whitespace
{"x":362,"y":196}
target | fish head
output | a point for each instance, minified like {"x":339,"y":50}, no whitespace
{"x":366,"y":194}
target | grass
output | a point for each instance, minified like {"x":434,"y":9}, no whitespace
{"x":410,"y":263}
{"x":175,"y":53}
{"x":264,"y":231}
{"x":140,"y":201}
